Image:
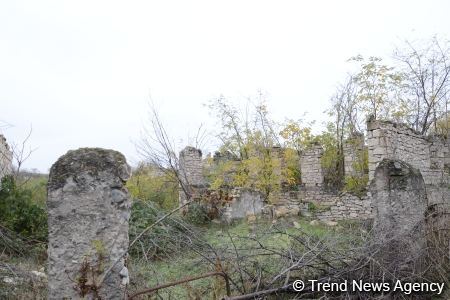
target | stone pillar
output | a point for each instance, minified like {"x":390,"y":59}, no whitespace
{"x":354,"y":155}
{"x":191,"y":171}
{"x":311,"y":167}
{"x":5,"y":158}
{"x":88,"y":213}
{"x":400,"y":202}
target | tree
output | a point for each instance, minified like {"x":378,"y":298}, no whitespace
{"x":252,"y":137}
{"x":377,"y":87}
{"x":425,"y":71}
{"x":296,"y":135}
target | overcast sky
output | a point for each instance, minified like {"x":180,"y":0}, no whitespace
{"x":81,"y":72}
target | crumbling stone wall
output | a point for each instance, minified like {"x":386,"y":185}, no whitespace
{"x":321,"y":204}
{"x":88,"y":213}
{"x":346,"y":207}
{"x":244,"y":202}
{"x":430,"y":155}
{"x":311,"y":167}
{"x":191,"y":172}
{"x":332,"y":206}
{"x":5,"y":157}
{"x":400,"y":203}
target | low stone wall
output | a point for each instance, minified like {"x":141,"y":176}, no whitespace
{"x":346,"y":207}
{"x":321,"y":204}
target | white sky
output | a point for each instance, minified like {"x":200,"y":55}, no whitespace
{"x":81,"y":72}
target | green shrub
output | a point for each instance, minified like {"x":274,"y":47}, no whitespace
{"x":148,"y":184}
{"x":356,"y":185}
{"x":197,"y":214}
{"x":164,"y":239}
{"x":18,"y":211}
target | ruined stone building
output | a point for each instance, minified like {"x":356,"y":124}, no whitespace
{"x":429,"y":154}
{"x":385,"y":140}
{"x":5,"y":157}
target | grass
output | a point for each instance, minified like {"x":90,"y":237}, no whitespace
{"x":187,"y":262}
{"x":225,"y":239}
{"x":247,"y":239}
{"x":17,"y":280}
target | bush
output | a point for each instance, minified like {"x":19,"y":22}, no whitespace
{"x":356,"y":185}
{"x":150,"y":185}
{"x":164,"y":239}
{"x":197,"y":214}
{"x":19,"y":213}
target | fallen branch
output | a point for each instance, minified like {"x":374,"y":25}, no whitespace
{"x":181,"y":281}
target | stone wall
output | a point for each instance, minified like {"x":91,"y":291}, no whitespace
{"x":191,"y":172}
{"x":311,"y":168}
{"x":430,"y":155}
{"x":323,"y":205}
{"x":5,"y":157}
{"x":346,"y":207}
{"x":244,"y":202}
{"x":88,"y":213}
{"x":191,"y":166}
{"x":400,"y":204}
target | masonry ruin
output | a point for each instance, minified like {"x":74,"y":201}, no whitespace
{"x":430,"y":155}
{"x":6,"y":157}
{"x":310,"y":164}
{"x":400,"y":203}
{"x":191,"y":173}
{"x":88,"y":213}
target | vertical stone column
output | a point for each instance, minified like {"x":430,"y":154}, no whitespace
{"x":191,"y":171}
{"x":311,"y":167}
{"x":88,"y":213}
{"x":400,"y":202}
{"x":5,"y":158}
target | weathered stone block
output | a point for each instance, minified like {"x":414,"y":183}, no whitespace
{"x":400,"y":202}
{"x":88,"y":213}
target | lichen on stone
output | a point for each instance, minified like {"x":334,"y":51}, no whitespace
{"x":87,"y":161}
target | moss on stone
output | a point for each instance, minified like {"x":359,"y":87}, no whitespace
{"x":85,"y":160}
